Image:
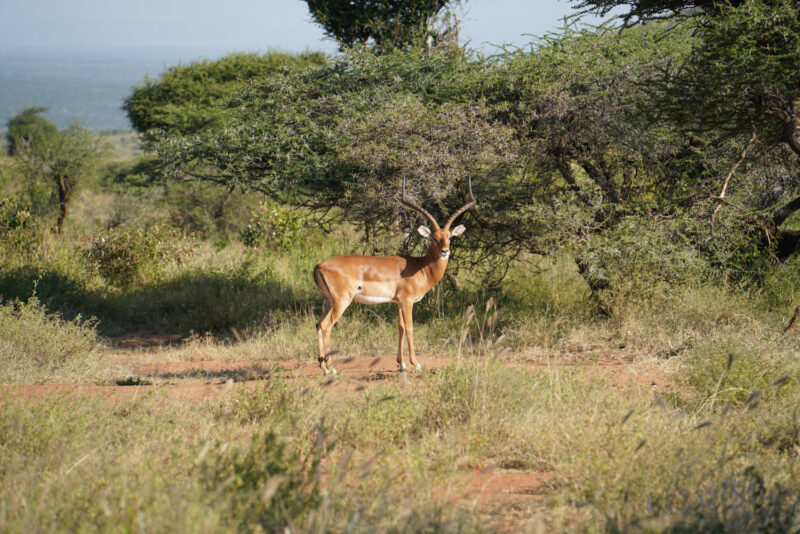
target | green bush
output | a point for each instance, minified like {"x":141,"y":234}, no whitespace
{"x":31,"y":335}
{"x":119,"y":254}
{"x":265,"y":486}
{"x":17,"y":226}
{"x":643,"y":252}
{"x":272,"y":225}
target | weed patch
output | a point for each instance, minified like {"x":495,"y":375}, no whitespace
{"x":35,"y":343}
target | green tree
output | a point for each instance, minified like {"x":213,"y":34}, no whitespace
{"x":548,"y":137}
{"x":743,"y":79}
{"x":389,"y":23}
{"x":193,"y":98}
{"x":27,"y":126}
{"x":739,"y":82}
{"x":62,"y":160}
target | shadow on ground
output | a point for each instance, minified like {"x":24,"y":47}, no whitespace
{"x":195,"y":301}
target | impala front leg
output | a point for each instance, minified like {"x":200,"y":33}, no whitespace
{"x":324,"y":337}
{"x":408,"y":324}
{"x":401,"y":330}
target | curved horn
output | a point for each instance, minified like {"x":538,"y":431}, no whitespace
{"x":415,"y":207}
{"x":463,"y":208}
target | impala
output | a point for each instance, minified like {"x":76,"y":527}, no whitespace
{"x":377,"y":280}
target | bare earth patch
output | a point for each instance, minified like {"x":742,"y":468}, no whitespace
{"x":507,"y":499}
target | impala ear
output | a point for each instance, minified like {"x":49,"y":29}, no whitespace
{"x":458,"y":230}
{"x":424,"y":231}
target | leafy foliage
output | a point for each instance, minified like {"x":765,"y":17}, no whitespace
{"x":29,"y":126}
{"x":190,"y":98}
{"x":569,"y":139}
{"x":643,"y":10}
{"x":390,"y":24}
{"x":63,"y":159}
{"x":272,"y":225}
{"x":119,"y":254}
{"x":17,"y":226}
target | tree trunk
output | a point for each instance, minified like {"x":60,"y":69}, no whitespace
{"x":780,"y":216}
{"x":63,"y":203}
{"x":595,"y":286}
{"x":219,"y":213}
{"x":788,"y":244}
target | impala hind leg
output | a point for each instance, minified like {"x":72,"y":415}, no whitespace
{"x":408,"y":325}
{"x":324,"y":328}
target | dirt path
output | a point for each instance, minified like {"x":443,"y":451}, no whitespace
{"x":202,"y":380}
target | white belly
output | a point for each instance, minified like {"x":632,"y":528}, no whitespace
{"x":365,"y":299}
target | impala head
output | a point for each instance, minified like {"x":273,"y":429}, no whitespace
{"x":440,"y":237}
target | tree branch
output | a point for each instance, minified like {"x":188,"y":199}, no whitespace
{"x":780,"y":216}
{"x":721,"y":198}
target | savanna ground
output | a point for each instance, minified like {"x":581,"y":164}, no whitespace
{"x":184,"y":395}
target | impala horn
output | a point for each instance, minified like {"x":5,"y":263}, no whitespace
{"x":463,"y":208}
{"x":417,"y":208}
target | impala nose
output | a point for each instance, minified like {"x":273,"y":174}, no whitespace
{"x":445,"y":254}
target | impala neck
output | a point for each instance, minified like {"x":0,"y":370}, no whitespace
{"x":433,"y":264}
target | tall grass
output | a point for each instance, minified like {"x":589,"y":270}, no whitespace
{"x":37,"y":345}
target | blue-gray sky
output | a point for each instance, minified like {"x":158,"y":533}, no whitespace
{"x":249,"y":25}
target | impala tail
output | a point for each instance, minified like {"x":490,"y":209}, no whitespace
{"x":320,"y":280}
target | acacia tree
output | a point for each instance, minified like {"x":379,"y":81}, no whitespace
{"x":28,"y":125}
{"x":389,"y":23}
{"x":743,"y":79}
{"x":191,"y":98}
{"x":63,"y":159}
{"x":738,"y":83}
{"x":547,"y":137}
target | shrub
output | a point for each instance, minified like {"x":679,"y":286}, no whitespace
{"x":266,"y":486}
{"x":643,"y":253}
{"x":119,"y":254}
{"x":17,"y":226}
{"x":29,"y":334}
{"x":272,"y":225}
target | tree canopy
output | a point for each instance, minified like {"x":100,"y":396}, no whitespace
{"x":190,"y":98}
{"x":63,"y":159}
{"x":389,"y":23}
{"x":642,"y":10}
{"x":28,"y":125}
{"x":619,"y":142}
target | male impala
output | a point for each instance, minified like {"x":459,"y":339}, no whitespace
{"x":377,"y":280}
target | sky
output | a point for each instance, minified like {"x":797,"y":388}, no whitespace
{"x":234,"y":25}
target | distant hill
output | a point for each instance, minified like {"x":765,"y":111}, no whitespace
{"x":85,"y":84}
